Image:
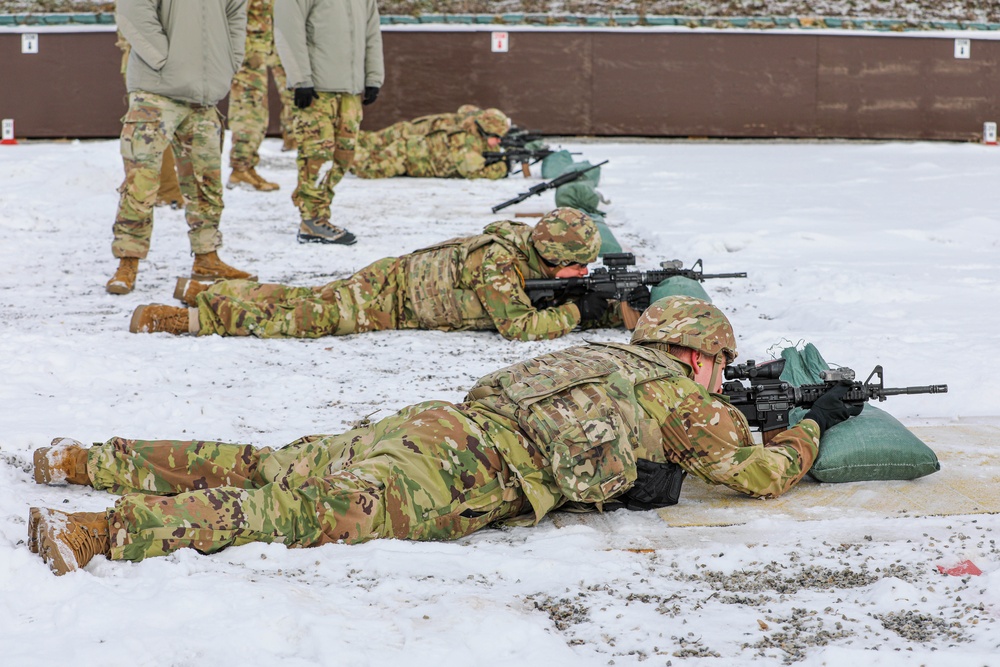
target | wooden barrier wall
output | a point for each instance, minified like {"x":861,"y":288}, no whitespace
{"x":603,"y":82}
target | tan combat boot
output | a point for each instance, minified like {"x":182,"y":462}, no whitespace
{"x":208,"y":266}
{"x":123,"y":281}
{"x":250,"y":179}
{"x":156,"y":318}
{"x":68,"y":541}
{"x":62,"y":462}
{"x":186,"y":291}
{"x":288,"y":142}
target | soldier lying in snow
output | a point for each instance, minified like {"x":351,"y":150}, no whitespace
{"x":475,"y":282}
{"x":438,"y":146}
{"x":592,"y":424}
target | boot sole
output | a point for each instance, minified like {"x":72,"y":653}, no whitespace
{"x":346,"y":239}
{"x":52,"y":551}
{"x":133,"y":325}
{"x":118,"y":288}
{"x":34,"y":517}
{"x":180,"y":288}
{"x":41,"y":466}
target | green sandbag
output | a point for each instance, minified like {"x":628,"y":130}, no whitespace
{"x":580,"y":195}
{"x":609,"y":244}
{"x":872,"y":446}
{"x":679,"y":286}
{"x":555,"y":164}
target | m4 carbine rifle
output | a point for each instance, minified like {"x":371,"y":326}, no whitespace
{"x":517,"y":137}
{"x":561,"y":179}
{"x":615,"y":281}
{"x":523,"y":156}
{"x":768,"y":400}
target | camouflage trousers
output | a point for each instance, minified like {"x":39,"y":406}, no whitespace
{"x":152,"y":123}
{"x":372,"y":299}
{"x":428,"y":472}
{"x":326,"y":132}
{"x":381,"y":154}
{"x":248,"y":104}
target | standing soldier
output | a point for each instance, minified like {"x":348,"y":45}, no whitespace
{"x":184,"y":55}
{"x":248,"y":108}
{"x":332,"y":53}
{"x":169,"y":193}
{"x":474,"y":282}
{"x":591,"y":424}
{"x":435,"y":147}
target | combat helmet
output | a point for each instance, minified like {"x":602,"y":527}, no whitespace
{"x":566,"y":236}
{"x":691,"y":323}
{"x":688,"y":322}
{"x":492,"y":122}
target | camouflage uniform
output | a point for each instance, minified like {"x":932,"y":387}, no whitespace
{"x":169,"y":190}
{"x":326,"y":133}
{"x":566,"y":426}
{"x":439,"y":146}
{"x":248,"y":108}
{"x":152,"y":123}
{"x":461,"y":284}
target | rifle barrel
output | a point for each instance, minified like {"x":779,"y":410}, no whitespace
{"x":706,"y":276}
{"x":925,"y":389}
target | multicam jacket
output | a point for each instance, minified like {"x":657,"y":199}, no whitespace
{"x":477,"y":283}
{"x":451,"y":152}
{"x":583,"y":416}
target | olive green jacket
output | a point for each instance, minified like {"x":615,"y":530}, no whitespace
{"x":333,"y":46}
{"x":187,"y":51}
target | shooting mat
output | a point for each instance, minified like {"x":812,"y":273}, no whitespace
{"x":966,"y":484}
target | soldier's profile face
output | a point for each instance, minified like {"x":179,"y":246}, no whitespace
{"x":572,"y":271}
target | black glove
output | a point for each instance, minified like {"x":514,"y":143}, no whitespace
{"x":305,"y":96}
{"x":656,"y":485}
{"x":371,"y":94}
{"x":638,"y":298}
{"x":830,"y":409}
{"x":592,"y":307}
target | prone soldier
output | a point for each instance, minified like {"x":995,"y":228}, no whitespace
{"x":465,"y":283}
{"x":439,"y":146}
{"x":591,"y":425}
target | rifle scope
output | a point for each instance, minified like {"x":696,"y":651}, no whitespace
{"x":616,"y":259}
{"x":770,"y":370}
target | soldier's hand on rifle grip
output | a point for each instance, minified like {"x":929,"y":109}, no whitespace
{"x":830,"y":408}
{"x":639,"y":298}
{"x":304,"y":97}
{"x":592,"y":307}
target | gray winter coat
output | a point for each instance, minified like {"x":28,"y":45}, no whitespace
{"x":331,"y":45}
{"x":187,"y":50}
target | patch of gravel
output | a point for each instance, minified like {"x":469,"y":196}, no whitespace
{"x":745,"y":582}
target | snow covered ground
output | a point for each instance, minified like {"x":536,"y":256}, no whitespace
{"x":876,"y":252}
